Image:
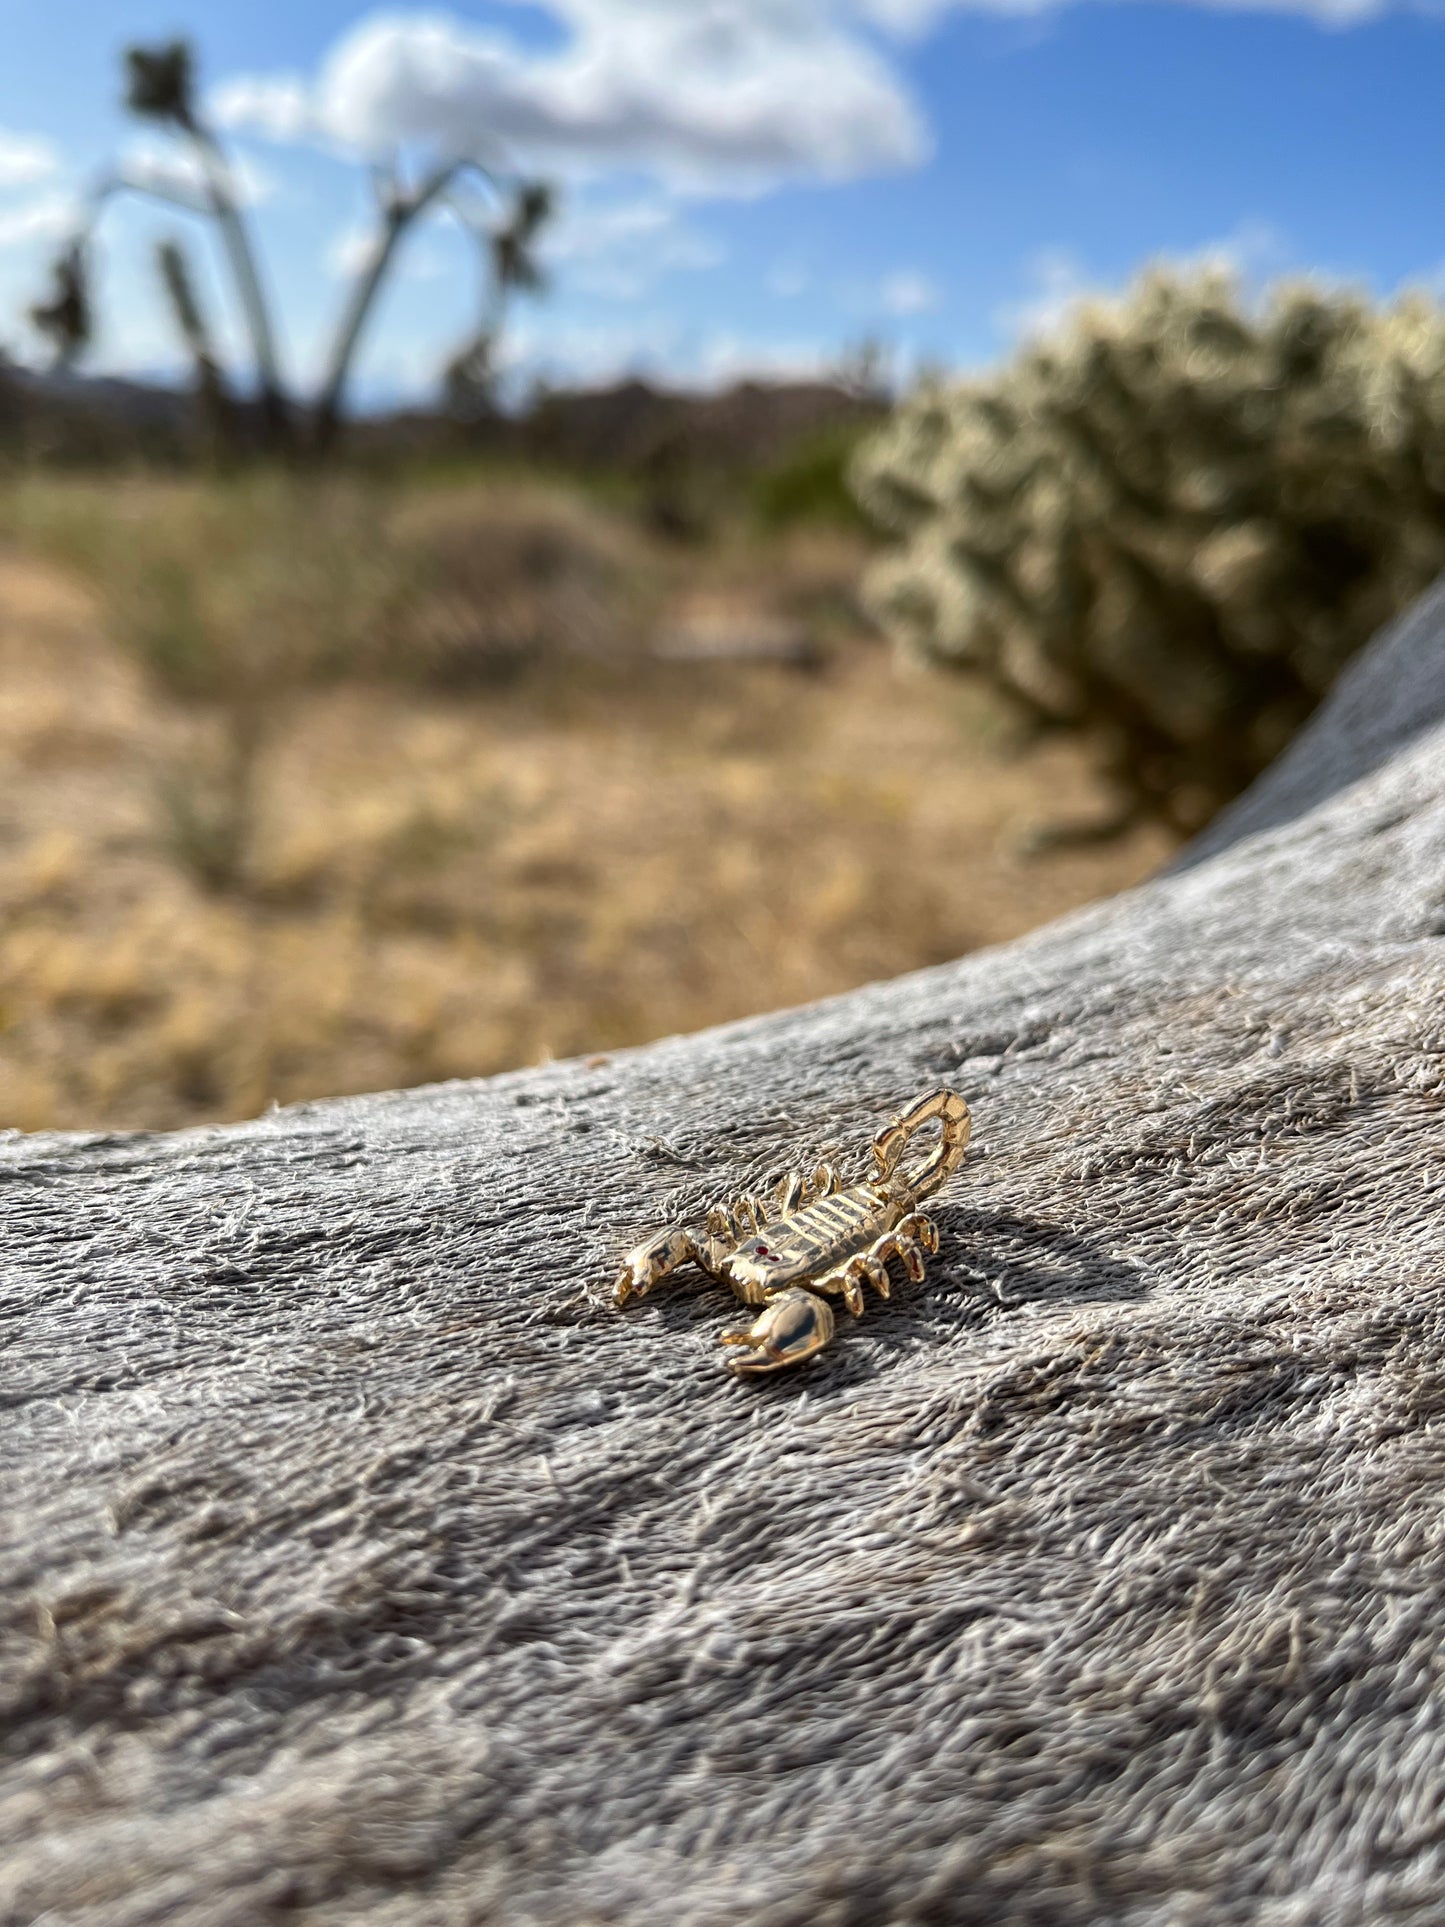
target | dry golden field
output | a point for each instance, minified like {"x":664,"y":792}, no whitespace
{"x":310,"y":791}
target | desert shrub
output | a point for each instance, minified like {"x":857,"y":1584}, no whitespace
{"x":227,"y":590}
{"x":497,"y":585}
{"x":241,"y":597}
{"x":1169,"y":524}
{"x":237,"y":591}
{"x":809,"y":483}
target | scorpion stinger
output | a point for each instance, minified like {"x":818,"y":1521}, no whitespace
{"x":815,"y":1240}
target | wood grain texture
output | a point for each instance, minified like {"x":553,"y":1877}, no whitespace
{"x":362,"y":1568}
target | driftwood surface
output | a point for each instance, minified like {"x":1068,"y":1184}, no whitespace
{"x":362,"y":1567}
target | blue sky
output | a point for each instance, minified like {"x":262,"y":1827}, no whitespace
{"x":750,"y":185}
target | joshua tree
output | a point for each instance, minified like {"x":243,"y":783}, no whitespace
{"x":514,"y":266}
{"x":161,"y":86}
{"x":65,"y":318}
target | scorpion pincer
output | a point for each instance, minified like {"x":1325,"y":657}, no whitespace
{"x":813,"y":1240}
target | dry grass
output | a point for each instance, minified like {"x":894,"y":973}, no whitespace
{"x":317,"y":794}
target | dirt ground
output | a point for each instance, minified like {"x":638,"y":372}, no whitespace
{"x":442,"y":885}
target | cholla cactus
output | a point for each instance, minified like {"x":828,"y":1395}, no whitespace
{"x":1169,"y":525}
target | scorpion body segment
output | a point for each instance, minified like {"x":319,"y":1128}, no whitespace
{"x":814,"y":1241}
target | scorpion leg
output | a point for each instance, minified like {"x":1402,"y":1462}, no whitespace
{"x":853,"y":1276}
{"x":847,"y":1284}
{"x":749,"y":1214}
{"x":921,"y":1228}
{"x":876,"y":1272}
{"x":790,"y":1192}
{"x":906,"y":1248}
{"x":729,"y":1224}
{"x":914,"y":1259}
{"x":911,"y":1242}
{"x":790,"y":1328}
{"x":922,"y":1233}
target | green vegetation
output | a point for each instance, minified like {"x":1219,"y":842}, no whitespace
{"x":809,"y":483}
{"x":1169,"y":526}
{"x":264,"y":583}
{"x":239,"y":598}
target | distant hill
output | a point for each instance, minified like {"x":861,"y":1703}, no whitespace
{"x":632,"y":427}
{"x":634,"y":424}
{"x":91,"y":418}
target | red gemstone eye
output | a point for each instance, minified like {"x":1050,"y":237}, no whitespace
{"x":763,"y":1251}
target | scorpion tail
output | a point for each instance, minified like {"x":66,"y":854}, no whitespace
{"x":945,"y":1157}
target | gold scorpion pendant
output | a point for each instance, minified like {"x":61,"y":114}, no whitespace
{"x":815,"y":1240}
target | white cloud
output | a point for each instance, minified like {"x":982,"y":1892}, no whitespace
{"x":45,"y":219}
{"x":25,"y":158}
{"x":166,"y":168}
{"x":915,"y":18}
{"x":620,"y":250}
{"x":276,"y":105}
{"x":720,"y":95}
{"x":348,"y":253}
{"x":910,"y":293}
{"x":587,"y":231}
{"x":717,"y":96}
{"x":616,"y":251}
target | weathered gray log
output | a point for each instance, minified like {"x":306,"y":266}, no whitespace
{"x":361,"y":1568}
